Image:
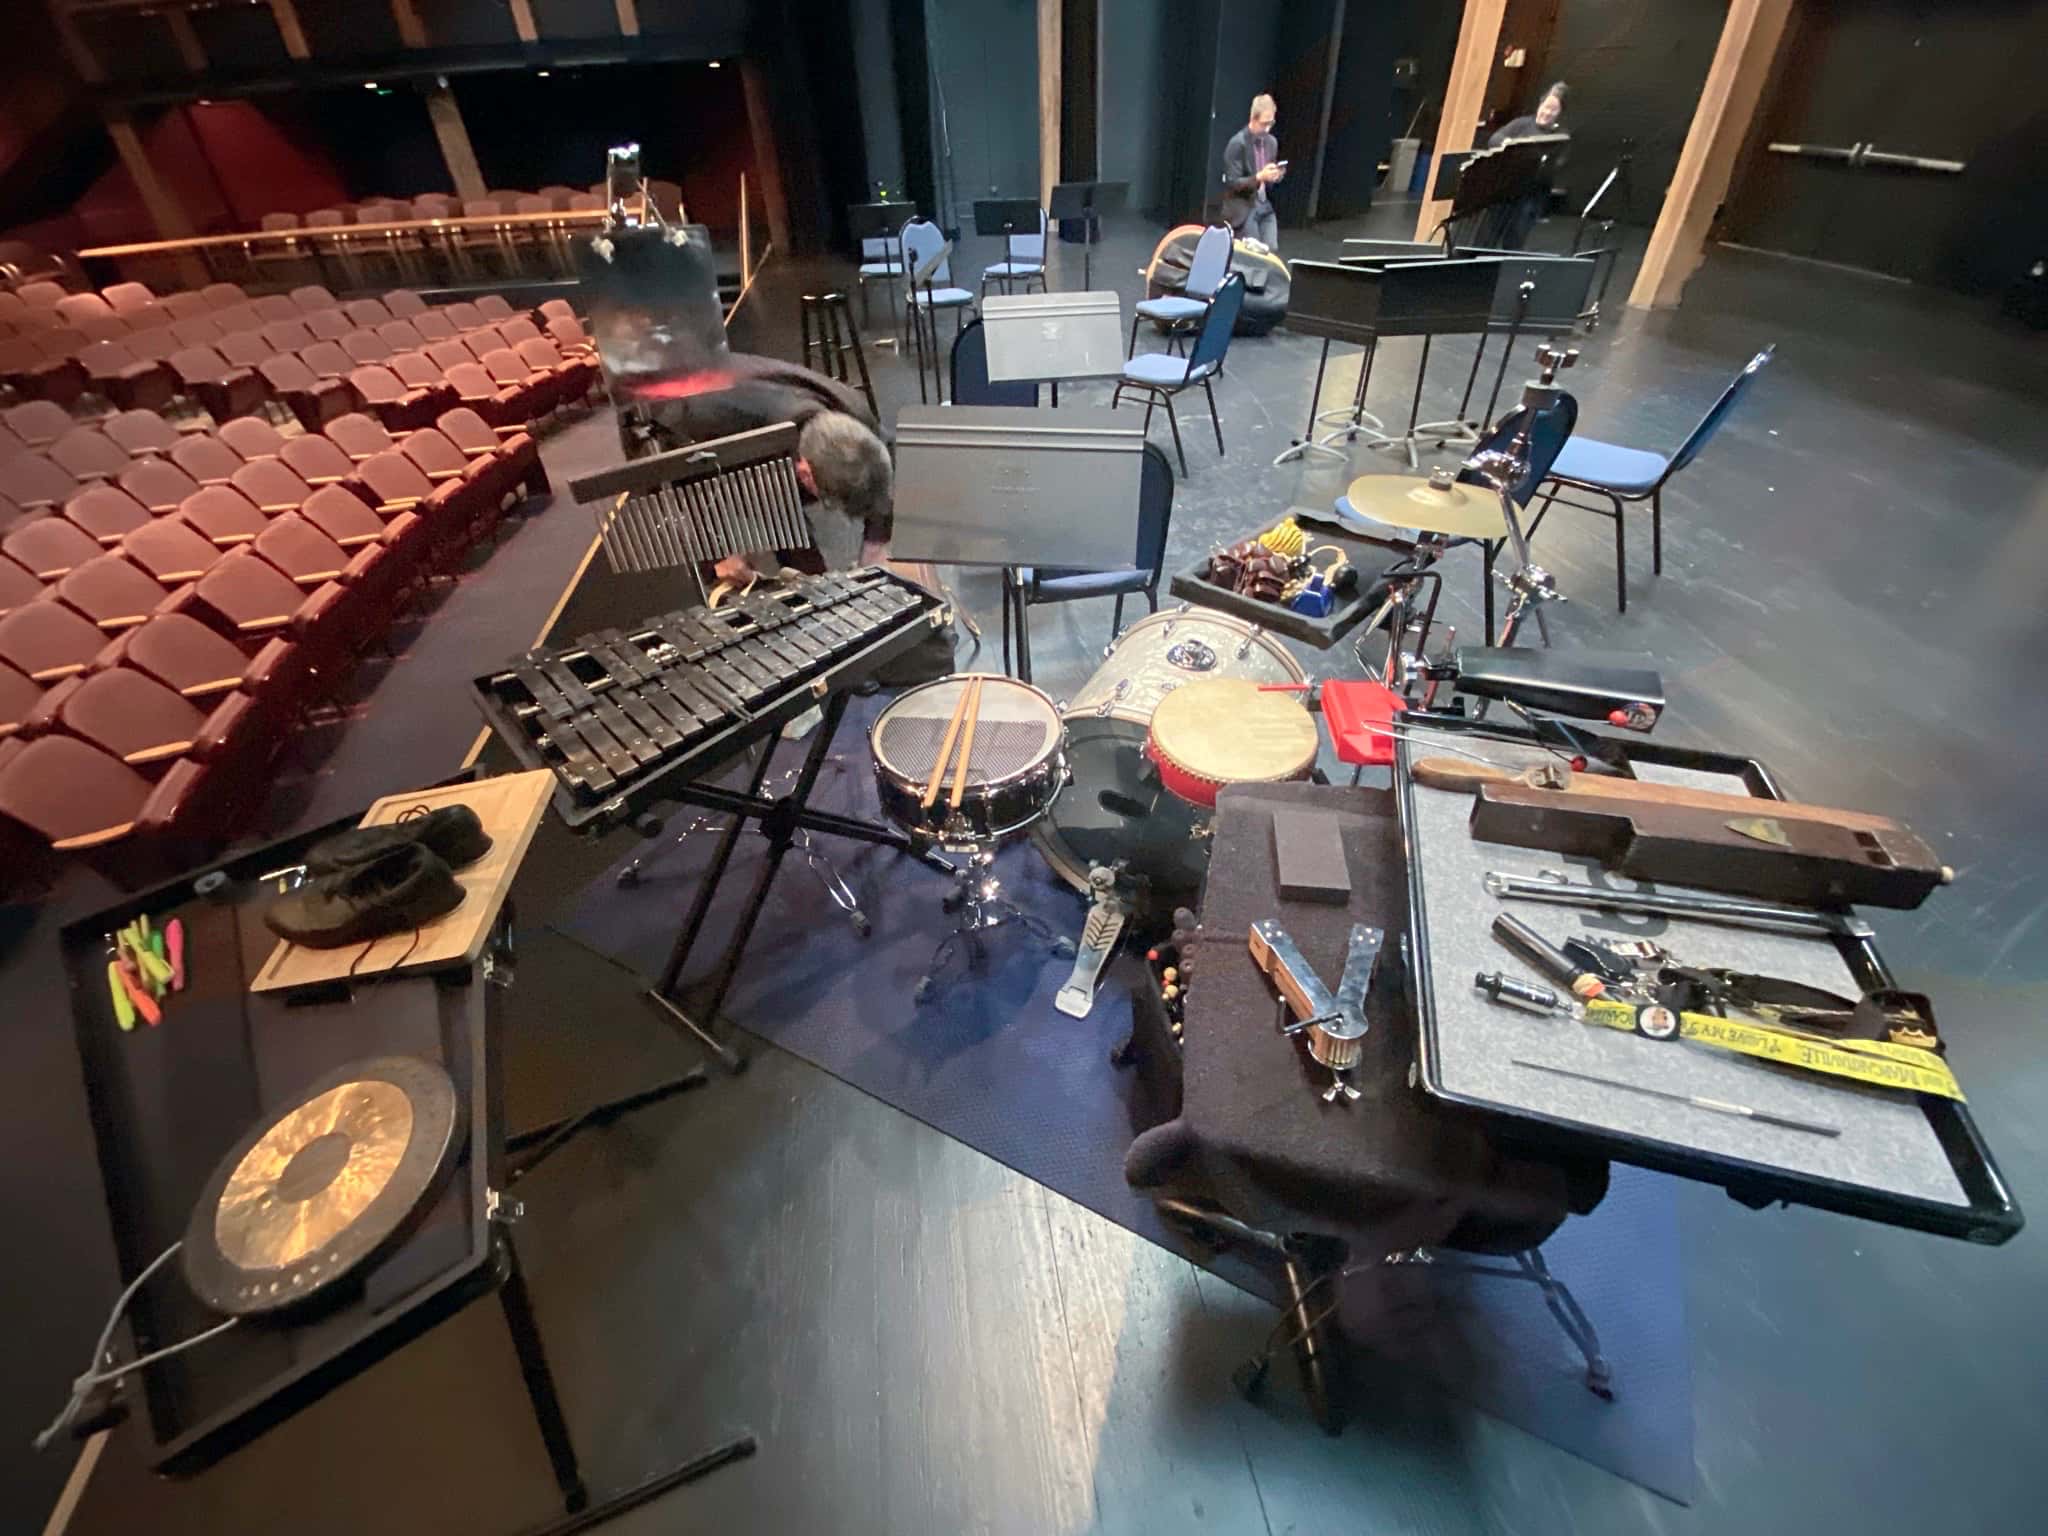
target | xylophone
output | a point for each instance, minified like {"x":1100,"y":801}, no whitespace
{"x":623,"y":717}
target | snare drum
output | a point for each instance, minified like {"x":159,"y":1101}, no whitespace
{"x":1116,"y":811}
{"x":1224,"y":730}
{"x":1016,"y":762}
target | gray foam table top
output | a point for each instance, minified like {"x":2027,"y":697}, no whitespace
{"x":1886,"y":1142}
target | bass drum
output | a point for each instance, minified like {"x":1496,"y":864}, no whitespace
{"x":1116,"y":810}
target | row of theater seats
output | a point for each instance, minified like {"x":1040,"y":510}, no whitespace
{"x":668,"y":197}
{"x":162,"y":632}
{"x":302,"y":349}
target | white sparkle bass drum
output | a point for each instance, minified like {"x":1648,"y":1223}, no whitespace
{"x":1116,"y":812}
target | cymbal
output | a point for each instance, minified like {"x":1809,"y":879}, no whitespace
{"x":1403,"y":501}
{"x":306,"y":1197}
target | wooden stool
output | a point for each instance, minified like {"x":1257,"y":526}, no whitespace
{"x":830,"y":336}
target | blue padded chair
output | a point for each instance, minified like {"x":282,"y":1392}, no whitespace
{"x":1621,"y":475}
{"x":923,"y":240}
{"x":970,"y":381}
{"x":1162,"y":376}
{"x":1180,"y":312}
{"x":1023,"y":261}
{"x":1028,"y":587}
{"x":1548,"y":436}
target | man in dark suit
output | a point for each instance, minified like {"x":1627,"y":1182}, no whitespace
{"x":1251,"y":164}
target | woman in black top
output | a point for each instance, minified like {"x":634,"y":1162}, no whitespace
{"x":1547,"y":119}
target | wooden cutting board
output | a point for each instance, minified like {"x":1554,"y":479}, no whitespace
{"x":510,"y":807}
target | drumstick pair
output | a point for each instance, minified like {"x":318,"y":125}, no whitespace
{"x":967,"y":709}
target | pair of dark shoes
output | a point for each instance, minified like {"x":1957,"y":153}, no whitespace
{"x":371,"y":881}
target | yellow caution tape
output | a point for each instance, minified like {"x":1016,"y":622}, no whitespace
{"x":1880,"y":1063}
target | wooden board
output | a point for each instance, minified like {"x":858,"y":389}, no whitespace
{"x":510,"y":807}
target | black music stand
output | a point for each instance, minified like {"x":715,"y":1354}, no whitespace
{"x":928,"y":312}
{"x":1337,"y":303}
{"x":1006,"y":216}
{"x":1087,"y":201}
{"x":1492,"y":181}
{"x":883,"y":222}
{"x":1450,"y":297}
{"x":1536,"y":292}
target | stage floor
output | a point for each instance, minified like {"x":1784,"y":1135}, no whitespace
{"x":927,"y":1342}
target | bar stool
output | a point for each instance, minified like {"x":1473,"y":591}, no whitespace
{"x":830,"y":337}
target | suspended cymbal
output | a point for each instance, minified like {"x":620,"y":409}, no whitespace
{"x":308,"y":1196}
{"x":1403,"y":501}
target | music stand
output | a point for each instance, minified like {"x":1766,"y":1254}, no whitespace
{"x":1337,"y":303}
{"x":1043,"y":338}
{"x":883,"y":222}
{"x":1450,"y":297}
{"x":1087,"y":201}
{"x":1005,"y":216}
{"x":918,"y":314}
{"x":1008,"y":485}
{"x":1537,"y":292}
{"x":1495,"y":179}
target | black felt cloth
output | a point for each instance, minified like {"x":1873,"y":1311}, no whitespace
{"x":1391,"y":1170}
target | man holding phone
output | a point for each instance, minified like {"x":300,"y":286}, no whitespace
{"x":1251,"y":164}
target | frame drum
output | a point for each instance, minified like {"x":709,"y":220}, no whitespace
{"x":1225,"y":730}
{"x":1016,"y":764}
{"x":1117,"y":811}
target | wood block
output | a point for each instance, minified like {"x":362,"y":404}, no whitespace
{"x":1308,"y":853}
{"x":510,"y":807}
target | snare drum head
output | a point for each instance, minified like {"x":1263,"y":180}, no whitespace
{"x":1228,"y":731}
{"x":1016,"y":731}
{"x":1117,"y":811}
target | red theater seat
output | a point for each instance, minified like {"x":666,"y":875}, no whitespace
{"x":391,"y":400}
{"x":404,"y":303}
{"x":343,"y":516}
{"x":416,"y":370}
{"x":493,"y":307}
{"x":182,"y":653}
{"x":315,"y":460}
{"x":77,"y":308}
{"x":131,"y":382}
{"x":507,"y":408}
{"x":328,"y":324}
{"x":359,"y":436}
{"x":327,"y":360}
{"x":86,"y":453}
{"x":452,"y":353}
{"x":517,"y":329}
{"x":171,"y":550}
{"x":275,"y":306}
{"x":46,"y":641}
{"x":225,"y":392}
{"x":223,"y":295}
{"x":222,"y":515}
{"x":555,"y":309}
{"x":200,"y":331}
{"x":367,"y":313}
{"x":314,"y":400}
{"x":106,"y":513}
{"x":38,"y":423}
{"x":112,"y":593}
{"x":206,"y":458}
{"x":77,"y":797}
{"x":252,"y":437}
{"x":312,"y":296}
{"x":124,"y":713}
{"x":158,"y":484}
{"x":19,"y":697}
{"x":31,"y":480}
{"x":141,"y":432}
{"x":366,"y":347}
{"x":19,"y":586}
{"x":432,"y":326}
{"x":287,"y":335}
{"x":401,"y":336}
{"x":184,"y":306}
{"x":40,"y":374}
{"x":49,"y":547}
{"x":463,"y":315}
{"x":245,"y":349}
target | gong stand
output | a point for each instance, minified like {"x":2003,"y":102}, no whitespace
{"x":578,"y":1513}
{"x":780,"y":820}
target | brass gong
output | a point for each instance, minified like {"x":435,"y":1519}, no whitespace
{"x":307,"y":1197}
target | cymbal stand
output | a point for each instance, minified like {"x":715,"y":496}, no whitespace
{"x":1529,"y":584}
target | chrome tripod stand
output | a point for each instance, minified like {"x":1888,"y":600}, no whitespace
{"x":977,"y":897}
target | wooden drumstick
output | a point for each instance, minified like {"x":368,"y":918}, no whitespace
{"x":931,"y":790}
{"x":966,"y":745}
